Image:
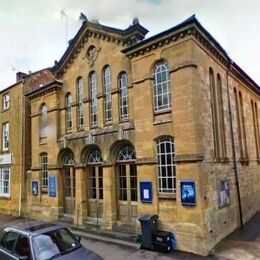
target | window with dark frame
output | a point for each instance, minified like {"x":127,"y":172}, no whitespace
{"x":80,"y":103}
{"x":166,"y":166}
{"x":6,"y":101}
{"x":44,"y":171}
{"x":161,"y":88}
{"x":107,"y":95}
{"x":68,"y":112}
{"x":93,"y":99}
{"x":123,"y":96}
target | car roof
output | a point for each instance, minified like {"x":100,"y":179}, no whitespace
{"x":34,"y":227}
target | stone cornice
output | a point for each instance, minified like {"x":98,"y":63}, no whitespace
{"x":52,"y":87}
{"x":96,"y":30}
{"x":189,"y":158}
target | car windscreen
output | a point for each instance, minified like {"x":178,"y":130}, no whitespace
{"x":54,"y":243}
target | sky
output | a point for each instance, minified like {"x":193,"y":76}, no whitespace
{"x":34,"y":34}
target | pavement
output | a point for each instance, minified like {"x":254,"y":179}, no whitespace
{"x":242,"y":244}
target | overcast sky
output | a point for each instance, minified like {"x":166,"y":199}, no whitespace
{"x":33,"y":32}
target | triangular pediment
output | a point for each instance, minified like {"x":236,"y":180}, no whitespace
{"x":127,"y":37}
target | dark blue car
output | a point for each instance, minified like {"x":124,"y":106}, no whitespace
{"x":42,"y":241}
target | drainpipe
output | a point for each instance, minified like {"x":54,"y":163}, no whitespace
{"x":233,"y":147}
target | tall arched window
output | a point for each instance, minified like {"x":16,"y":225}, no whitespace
{"x":166,"y":166}
{"x":107,"y":94}
{"x":43,"y":121}
{"x":44,"y":171}
{"x":123,"y":96}
{"x":93,"y":99}
{"x":221,"y":118}
{"x":162,"y":91}
{"x":68,"y":112}
{"x":80,"y":102}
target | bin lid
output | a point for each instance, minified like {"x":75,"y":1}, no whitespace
{"x":148,"y":217}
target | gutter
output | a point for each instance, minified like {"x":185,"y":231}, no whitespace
{"x":230,"y":63}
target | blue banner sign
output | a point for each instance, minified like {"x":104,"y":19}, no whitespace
{"x":146,"y":194}
{"x":52,"y":186}
{"x":188,"y":192}
{"x":35,"y":188}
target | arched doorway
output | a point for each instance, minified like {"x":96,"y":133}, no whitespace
{"x":126,"y":184}
{"x":95,"y":184}
{"x":68,"y":183}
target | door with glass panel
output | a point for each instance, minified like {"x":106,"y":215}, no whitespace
{"x":95,"y":184}
{"x":69,"y":182}
{"x":127,"y":185}
{"x":69,"y":190}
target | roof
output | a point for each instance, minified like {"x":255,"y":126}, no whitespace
{"x":193,"y":21}
{"x":136,"y":31}
{"x":34,"y":227}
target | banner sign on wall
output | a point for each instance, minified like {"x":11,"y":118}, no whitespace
{"x":146,"y":194}
{"x":52,"y":186}
{"x":224,"y":193}
{"x":35,"y":188}
{"x":188,"y":192}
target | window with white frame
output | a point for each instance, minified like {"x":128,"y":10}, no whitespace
{"x":107,"y":94}
{"x":80,"y":103}
{"x":44,"y":171}
{"x":4,"y":181}
{"x":6,"y":101}
{"x":43,"y":121}
{"x":123,"y":96}
{"x":161,"y":89}
{"x":68,"y":112}
{"x":93,"y":99}
{"x":166,"y":166}
{"x":5,"y":132}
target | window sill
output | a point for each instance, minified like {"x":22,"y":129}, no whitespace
{"x":5,"y":197}
{"x":44,"y":190}
{"x":165,"y":111}
{"x":124,"y":121}
{"x":6,"y":109}
{"x":167,"y":196}
{"x":108,"y":124}
{"x":6,"y":150}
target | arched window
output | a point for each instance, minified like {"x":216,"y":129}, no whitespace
{"x":68,"y":158}
{"x":161,"y":89}
{"x":68,"y":112}
{"x":80,"y":102}
{"x":166,"y":166}
{"x":221,"y":118}
{"x":126,"y":153}
{"x":95,"y":157}
{"x":93,"y":99}
{"x":44,"y":171}
{"x":43,"y":121}
{"x":107,"y":94}
{"x":123,"y":96}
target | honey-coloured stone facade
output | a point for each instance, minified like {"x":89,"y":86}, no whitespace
{"x":213,"y":119}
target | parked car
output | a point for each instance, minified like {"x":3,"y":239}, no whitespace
{"x":42,"y":241}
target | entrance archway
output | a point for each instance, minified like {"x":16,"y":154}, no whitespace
{"x":126,"y":184}
{"x":69,"y":181}
{"x":95,"y":184}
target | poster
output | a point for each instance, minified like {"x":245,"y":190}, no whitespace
{"x":188,"y":192}
{"x":224,"y":193}
{"x":35,"y":188}
{"x":52,"y":186}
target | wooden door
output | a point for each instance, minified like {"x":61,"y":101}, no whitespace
{"x":69,"y":190}
{"x":127,"y":192}
{"x":95,"y":191}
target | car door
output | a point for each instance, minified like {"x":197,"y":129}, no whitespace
{"x":7,"y":244}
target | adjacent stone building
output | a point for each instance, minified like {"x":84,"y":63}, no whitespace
{"x":128,"y":126}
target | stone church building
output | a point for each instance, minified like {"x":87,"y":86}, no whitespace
{"x":126,"y":126}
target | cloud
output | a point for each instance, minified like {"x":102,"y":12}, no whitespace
{"x":33,"y":34}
